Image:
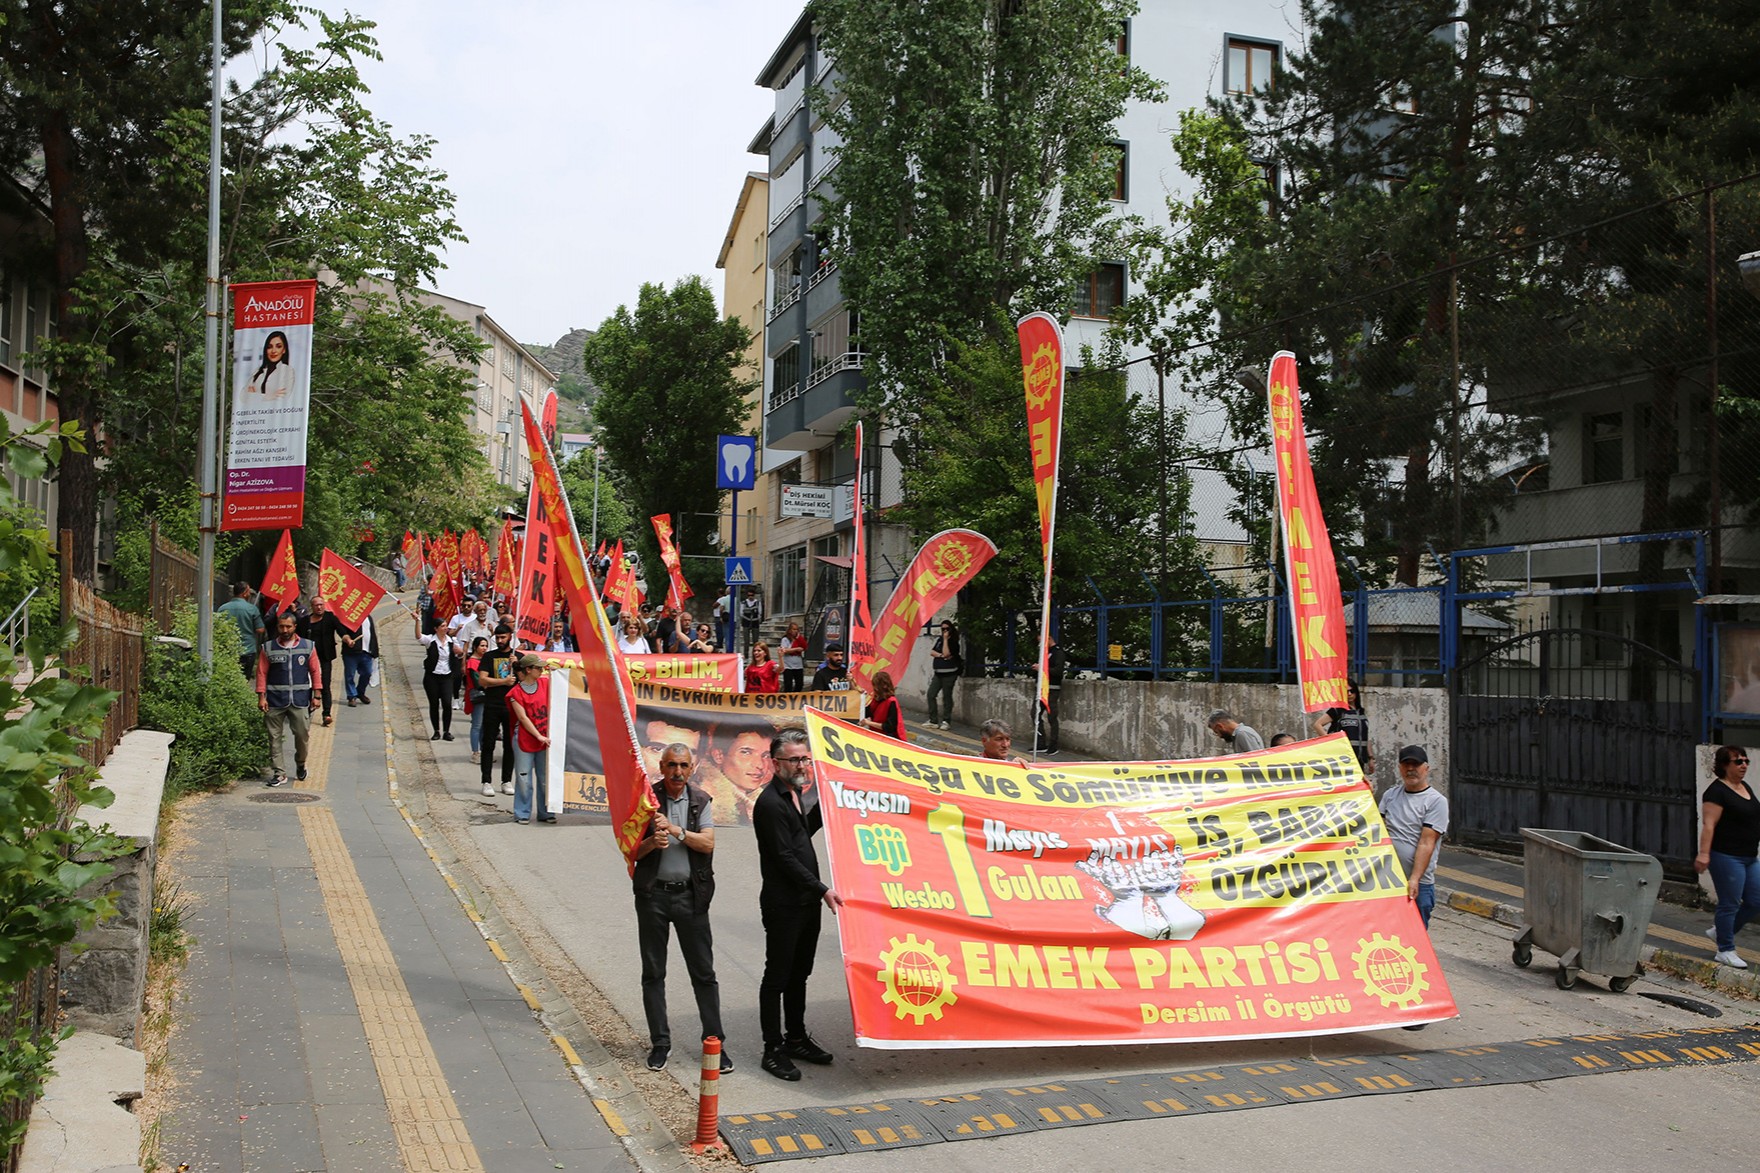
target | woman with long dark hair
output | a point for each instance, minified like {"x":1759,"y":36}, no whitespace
{"x":1729,"y":848}
{"x":884,"y":716}
{"x":274,"y":376}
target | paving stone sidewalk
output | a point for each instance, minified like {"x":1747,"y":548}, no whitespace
{"x":340,"y":1011}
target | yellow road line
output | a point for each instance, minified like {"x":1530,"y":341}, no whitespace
{"x":1480,"y":881}
{"x":319,"y":743}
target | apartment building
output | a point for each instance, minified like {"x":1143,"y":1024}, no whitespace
{"x":27,"y":316}
{"x":744,"y":264}
{"x":812,"y":350}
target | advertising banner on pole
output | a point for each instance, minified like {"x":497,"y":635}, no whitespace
{"x":271,"y":399}
{"x":1316,"y":606}
{"x":988,"y":904}
{"x":1041,"y":340}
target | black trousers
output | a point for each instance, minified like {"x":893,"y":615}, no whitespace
{"x":658,"y":912}
{"x":329,"y":671}
{"x":497,"y":730}
{"x":439,"y":690}
{"x":791,"y":938}
{"x":793,"y":679}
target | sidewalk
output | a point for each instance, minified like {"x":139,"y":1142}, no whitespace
{"x":340,"y":1010}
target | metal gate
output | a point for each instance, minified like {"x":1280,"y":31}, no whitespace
{"x":1580,"y":731}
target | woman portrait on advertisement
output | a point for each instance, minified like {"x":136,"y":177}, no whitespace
{"x":274,"y":377}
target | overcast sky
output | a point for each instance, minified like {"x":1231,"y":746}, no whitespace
{"x":592,"y":145}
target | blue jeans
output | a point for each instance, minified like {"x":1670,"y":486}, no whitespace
{"x":1426,"y":901}
{"x":476,"y":726}
{"x":357,"y":671}
{"x":529,"y":771}
{"x":1737,"y":881}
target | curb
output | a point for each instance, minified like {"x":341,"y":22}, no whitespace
{"x":1694,"y":969}
{"x":642,"y":1135}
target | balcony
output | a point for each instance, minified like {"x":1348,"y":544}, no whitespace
{"x":788,"y":298}
{"x":800,"y":418}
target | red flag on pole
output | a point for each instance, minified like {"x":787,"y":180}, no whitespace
{"x":861,"y":620}
{"x":537,"y":578}
{"x":628,"y":794}
{"x":351,"y":594}
{"x":1042,"y":372}
{"x":677,"y":590}
{"x":281,"y":580}
{"x":1316,"y":606}
{"x":946,"y":563}
{"x":506,"y":562}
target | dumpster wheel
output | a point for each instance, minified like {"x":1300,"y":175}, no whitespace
{"x":1523,"y":955}
{"x":1620,"y":985}
{"x":1566,"y":977}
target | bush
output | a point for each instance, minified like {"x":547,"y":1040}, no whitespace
{"x":213,"y":713}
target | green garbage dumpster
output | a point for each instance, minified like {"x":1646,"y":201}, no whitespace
{"x":1587,"y":902}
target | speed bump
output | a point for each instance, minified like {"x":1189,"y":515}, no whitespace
{"x":1012,"y":1111}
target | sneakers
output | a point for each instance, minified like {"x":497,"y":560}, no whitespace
{"x":476,"y":757}
{"x":657,"y":1058}
{"x":947,"y":724}
{"x":352,"y":702}
{"x":779,"y":1065}
{"x":281,"y":780}
{"x":446,"y":736}
{"x":546,"y":818}
{"x":806,"y":1050}
{"x":507,"y":788}
{"x":301,"y":775}
{"x":726,"y":1059}
{"x":522,"y":822}
{"x":1732,"y":959}
{"x":435,"y":736}
{"x":488,"y":791}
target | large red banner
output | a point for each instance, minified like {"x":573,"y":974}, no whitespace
{"x":717,"y":672}
{"x":988,"y":904}
{"x":946,"y":562}
{"x":1316,"y":606}
{"x":1041,"y":342}
{"x":350,"y":594}
{"x":537,"y":577}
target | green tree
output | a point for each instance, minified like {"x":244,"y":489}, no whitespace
{"x":976,"y":163}
{"x":669,"y":382}
{"x":1389,"y":136}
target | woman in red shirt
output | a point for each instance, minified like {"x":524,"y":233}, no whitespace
{"x":761,"y":675}
{"x":884,"y":715}
{"x":528,"y":703}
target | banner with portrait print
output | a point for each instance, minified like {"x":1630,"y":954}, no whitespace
{"x":271,"y":401}
{"x":728,"y":732}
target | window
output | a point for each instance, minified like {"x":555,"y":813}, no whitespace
{"x":1606,"y":616}
{"x":1121,"y":171}
{"x":33,"y":319}
{"x":788,"y":474}
{"x":1250,"y":66}
{"x":1124,"y":39}
{"x":757,"y":251}
{"x":788,"y":575}
{"x":1604,"y":448}
{"x":1101,"y":293}
{"x":787,"y":372}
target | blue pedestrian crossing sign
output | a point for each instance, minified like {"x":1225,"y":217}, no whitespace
{"x":739,"y":571}
{"x":736,"y":462}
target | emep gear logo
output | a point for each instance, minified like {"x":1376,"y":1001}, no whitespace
{"x":332,"y":582}
{"x":919,"y":981}
{"x":1390,"y":971}
{"x":952,"y":559}
{"x":1040,"y":374}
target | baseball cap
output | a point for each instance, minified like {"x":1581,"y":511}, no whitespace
{"x":529,"y":662}
{"x":1414,"y":753}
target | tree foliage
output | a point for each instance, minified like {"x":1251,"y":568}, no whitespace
{"x":975,"y":168}
{"x":670,"y":381}
{"x":1451,"y":177}
{"x":113,"y":98}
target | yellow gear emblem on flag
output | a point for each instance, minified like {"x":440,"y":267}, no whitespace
{"x":919,"y":981}
{"x":1390,"y":971}
{"x":331,"y":583}
{"x":952,"y":559}
{"x":1040,"y":375}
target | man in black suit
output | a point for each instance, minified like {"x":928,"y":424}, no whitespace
{"x":788,"y":903}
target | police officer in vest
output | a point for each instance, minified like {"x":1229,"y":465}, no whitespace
{"x":289,"y":679}
{"x":674,"y":881}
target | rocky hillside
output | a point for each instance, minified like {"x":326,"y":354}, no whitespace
{"x":564,"y":357}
